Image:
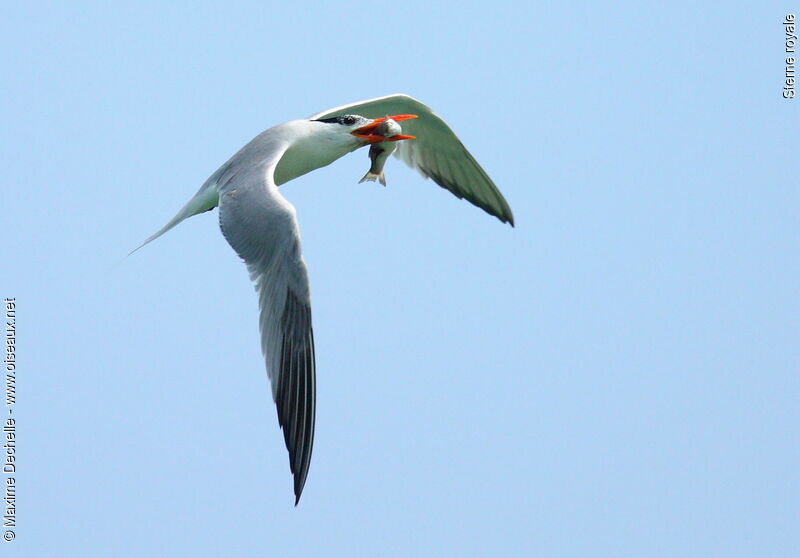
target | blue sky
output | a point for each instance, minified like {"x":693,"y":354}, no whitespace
{"x":616,"y":376}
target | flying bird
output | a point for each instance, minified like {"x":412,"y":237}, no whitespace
{"x":261,"y":226}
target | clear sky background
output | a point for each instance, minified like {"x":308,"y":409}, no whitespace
{"x":615,"y":377}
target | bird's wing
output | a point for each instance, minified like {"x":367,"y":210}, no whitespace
{"x":436,"y":153}
{"x":261,"y":226}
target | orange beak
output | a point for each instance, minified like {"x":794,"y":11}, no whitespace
{"x":366,"y":132}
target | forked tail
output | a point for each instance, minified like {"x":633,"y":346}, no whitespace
{"x":206,"y":199}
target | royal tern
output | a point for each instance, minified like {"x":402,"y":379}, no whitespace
{"x":261,"y":226}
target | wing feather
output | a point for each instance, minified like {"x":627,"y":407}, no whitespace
{"x":261,"y":226}
{"x":437,"y":153}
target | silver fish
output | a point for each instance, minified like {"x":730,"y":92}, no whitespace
{"x":379,"y":152}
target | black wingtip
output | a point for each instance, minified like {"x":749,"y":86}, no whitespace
{"x":508,"y":217}
{"x":296,"y":395}
{"x":298,"y":487}
{"x":299,"y":483}
{"x":503,"y":218}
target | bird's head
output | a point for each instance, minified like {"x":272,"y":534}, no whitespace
{"x":367,"y":130}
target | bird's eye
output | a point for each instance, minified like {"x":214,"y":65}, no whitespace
{"x":346,"y":120}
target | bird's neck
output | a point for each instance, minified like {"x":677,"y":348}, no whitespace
{"x":313,"y":145}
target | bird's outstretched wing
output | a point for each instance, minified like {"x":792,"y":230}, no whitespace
{"x":261,"y":226}
{"x":436,"y":153}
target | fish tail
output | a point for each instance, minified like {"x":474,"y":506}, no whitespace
{"x":372,"y":177}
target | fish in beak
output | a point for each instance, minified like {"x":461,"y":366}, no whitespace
{"x":378,"y":130}
{"x":388,"y":130}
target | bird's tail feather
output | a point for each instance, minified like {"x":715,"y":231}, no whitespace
{"x":206,"y":199}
